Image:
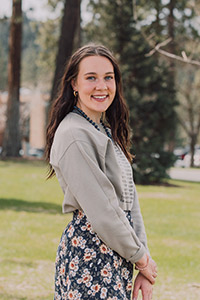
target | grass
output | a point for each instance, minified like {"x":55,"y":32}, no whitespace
{"x":31,"y":224}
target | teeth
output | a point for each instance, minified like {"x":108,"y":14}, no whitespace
{"x":99,"y":97}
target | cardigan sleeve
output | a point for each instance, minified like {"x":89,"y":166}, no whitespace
{"x":138,"y":223}
{"x":97,"y":198}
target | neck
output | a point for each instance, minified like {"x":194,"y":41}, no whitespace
{"x":95,"y":117}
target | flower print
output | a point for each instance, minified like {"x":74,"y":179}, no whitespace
{"x":62,"y":269}
{"x":95,"y":288}
{"x":103,"y":249}
{"x":99,"y":261}
{"x":73,"y":294}
{"x":125,"y":273}
{"x":57,"y":258}
{"x":73,"y":265}
{"x":118,"y":285}
{"x":57,"y":296}
{"x":81,"y":242}
{"x":67,"y":282}
{"x":96,"y":240}
{"x":86,"y":278}
{"x":70,"y":295}
{"x":70,"y":230}
{"x":129,"y":286}
{"x":89,"y":254}
{"x":110,"y":251}
{"x":63,"y":245}
{"x":75,"y":242}
{"x":80,"y":214}
{"x":81,"y":273}
{"x":116,"y":263}
{"x":103,"y":293}
{"x":106,"y":273}
{"x":88,"y":227}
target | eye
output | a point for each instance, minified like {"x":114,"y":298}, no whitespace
{"x":91,"y":78}
{"x":109,"y":77}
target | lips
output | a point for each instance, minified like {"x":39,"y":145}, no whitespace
{"x":99,"y":98}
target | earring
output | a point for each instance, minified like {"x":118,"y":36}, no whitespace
{"x":75,"y":94}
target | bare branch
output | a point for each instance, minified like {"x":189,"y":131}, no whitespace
{"x":184,"y":59}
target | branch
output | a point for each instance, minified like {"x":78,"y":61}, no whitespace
{"x":184,"y":59}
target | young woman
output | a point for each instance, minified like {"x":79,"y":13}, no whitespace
{"x":87,"y":148}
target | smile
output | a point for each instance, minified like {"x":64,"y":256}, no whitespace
{"x":99,"y":98}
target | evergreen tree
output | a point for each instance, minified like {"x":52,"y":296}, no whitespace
{"x":146,"y":85}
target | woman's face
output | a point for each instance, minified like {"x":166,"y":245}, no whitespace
{"x":96,"y":86}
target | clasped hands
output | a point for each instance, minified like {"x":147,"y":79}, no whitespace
{"x":145,"y":278}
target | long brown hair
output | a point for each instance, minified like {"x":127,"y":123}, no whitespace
{"x":116,"y":115}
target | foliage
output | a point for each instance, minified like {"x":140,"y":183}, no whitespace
{"x":32,"y":223}
{"x":47,"y":41}
{"x":148,"y":89}
{"x":30,"y":50}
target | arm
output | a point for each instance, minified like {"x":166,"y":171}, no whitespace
{"x":96,"y":196}
{"x":138,"y":223}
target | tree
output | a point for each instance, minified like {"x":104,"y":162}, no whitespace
{"x":12,"y":139}
{"x":147,"y":87}
{"x":70,"y":25}
{"x":4,"y":33}
{"x":189,"y":109}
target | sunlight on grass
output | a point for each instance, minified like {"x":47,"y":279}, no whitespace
{"x":32,"y":223}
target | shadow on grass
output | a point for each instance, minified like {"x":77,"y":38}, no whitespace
{"x":37,"y":207}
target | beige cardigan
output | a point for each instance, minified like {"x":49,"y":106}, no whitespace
{"x":85,"y":163}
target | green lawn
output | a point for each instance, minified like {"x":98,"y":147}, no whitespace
{"x":31,"y":224}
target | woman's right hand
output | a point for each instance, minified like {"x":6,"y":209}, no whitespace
{"x":150,"y":271}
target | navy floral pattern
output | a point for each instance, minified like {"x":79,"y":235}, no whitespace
{"x":86,"y":268}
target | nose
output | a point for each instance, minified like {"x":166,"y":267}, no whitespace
{"x":101,"y":85}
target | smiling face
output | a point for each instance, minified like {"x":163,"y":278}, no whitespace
{"x":96,"y":86}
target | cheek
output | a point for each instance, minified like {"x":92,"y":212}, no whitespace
{"x":86,"y":88}
{"x":112,"y":87}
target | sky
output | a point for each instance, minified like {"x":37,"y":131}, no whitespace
{"x":40,"y":10}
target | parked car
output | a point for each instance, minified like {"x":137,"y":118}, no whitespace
{"x":180,"y":154}
{"x":36,"y":152}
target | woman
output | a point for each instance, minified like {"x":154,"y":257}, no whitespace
{"x":106,"y":236}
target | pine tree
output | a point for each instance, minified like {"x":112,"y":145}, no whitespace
{"x":146,"y":85}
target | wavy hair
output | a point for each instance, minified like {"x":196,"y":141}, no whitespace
{"x":116,"y":116}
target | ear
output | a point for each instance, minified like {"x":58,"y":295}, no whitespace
{"x":73,"y":84}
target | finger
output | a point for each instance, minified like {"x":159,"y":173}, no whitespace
{"x":154,"y":275}
{"x":152,"y":280}
{"x":135,"y":292}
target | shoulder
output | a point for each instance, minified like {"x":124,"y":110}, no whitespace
{"x":75,"y":129}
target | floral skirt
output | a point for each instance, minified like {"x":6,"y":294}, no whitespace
{"x":88,"y":269}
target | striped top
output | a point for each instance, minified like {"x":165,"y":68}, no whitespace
{"x":128,"y":194}
{"x":127,"y":176}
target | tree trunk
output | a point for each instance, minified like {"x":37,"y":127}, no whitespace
{"x":193,"y":140}
{"x":172,"y":49}
{"x":12,"y":138}
{"x":71,"y":17}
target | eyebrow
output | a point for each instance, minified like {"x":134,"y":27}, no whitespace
{"x":94,"y":73}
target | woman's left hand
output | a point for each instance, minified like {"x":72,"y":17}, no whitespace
{"x":143,"y":284}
